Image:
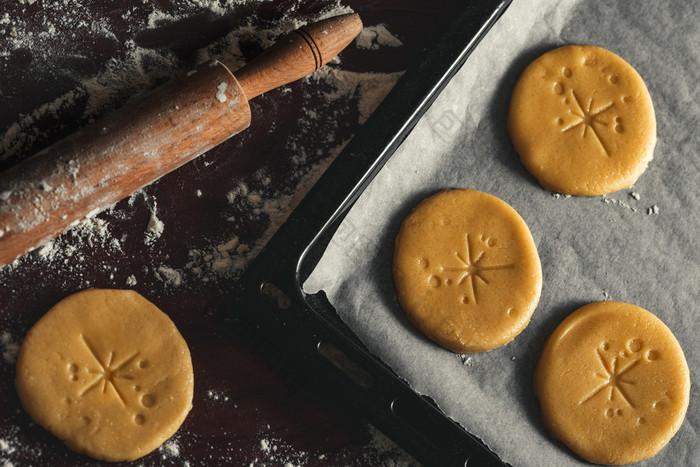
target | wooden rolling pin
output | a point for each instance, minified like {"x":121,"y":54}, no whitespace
{"x":152,"y":135}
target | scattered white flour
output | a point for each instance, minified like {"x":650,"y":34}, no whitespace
{"x":119,"y":80}
{"x":373,"y":37}
{"x":6,"y":447}
{"x":131,"y":281}
{"x":169,"y":276}
{"x":379,"y":451}
{"x":170,"y":449}
{"x":277,"y":452}
{"x":155,"y":226}
{"x":559,"y":196}
{"x":229,"y":257}
{"x":217,"y":396}
{"x":158,"y":18}
{"x":381,"y":444}
{"x":123,"y":78}
{"x":22,"y":134}
{"x":635,"y":197}
{"x":95,"y":232}
{"x":221,"y":92}
{"x":220,"y":259}
{"x":92,"y":232}
{"x":240,"y":191}
{"x":9,"y":349}
{"x":46,"y":251}
{"x":370,"y":88}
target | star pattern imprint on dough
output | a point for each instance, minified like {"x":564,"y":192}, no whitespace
{"x":471,"y":269}
{"x":613,"y":379}
{"x":587,"y":119}
{"x":107,"y":373}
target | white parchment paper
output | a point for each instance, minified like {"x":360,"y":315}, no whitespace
{"x":642,"y":251}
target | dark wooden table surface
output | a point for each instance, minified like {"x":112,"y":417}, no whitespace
{"x":185,"y":239}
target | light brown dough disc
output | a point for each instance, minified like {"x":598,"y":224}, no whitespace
{"x":466,"y":270}
{"x":613,"y":383}
{"x":582,"y":121}
{"x":108,"y":373}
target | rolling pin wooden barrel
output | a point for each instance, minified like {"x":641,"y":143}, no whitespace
{"x":153,"y":134}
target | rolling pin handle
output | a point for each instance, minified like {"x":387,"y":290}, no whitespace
{"x":298,"y":54}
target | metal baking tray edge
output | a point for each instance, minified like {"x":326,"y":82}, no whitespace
{"x":270,"y":296}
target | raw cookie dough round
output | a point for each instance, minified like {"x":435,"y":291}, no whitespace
{"x":466,"y":270}
{"x":582,"y":121}
{"x":106,"y":372}
{"x":613,"y":383}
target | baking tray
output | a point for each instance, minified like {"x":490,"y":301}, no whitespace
{"x":270,"y":294}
